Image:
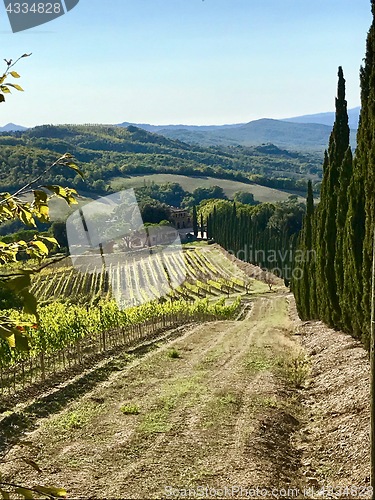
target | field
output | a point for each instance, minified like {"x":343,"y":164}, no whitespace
{"x":197,"y":272}
{"x":59,"y":209}
{"x":219,"y":386}
{"x":261,"y":193}
{"x":86,"y":311}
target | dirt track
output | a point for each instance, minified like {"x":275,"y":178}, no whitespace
{"x":224,"y":413}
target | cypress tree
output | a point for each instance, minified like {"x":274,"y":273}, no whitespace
{"x":202,"y":227}
{"x":303,"y":279}
{"x":195,"y":221}
{"x":365,"y":162}
{"x":346,"y":172}
{"x":329,"y":306}
{"x":308,"y":245}
{"x":320,"y":242}
{"x":351,"y":299}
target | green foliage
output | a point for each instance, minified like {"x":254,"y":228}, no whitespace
{"x":170,"y":193}
{"x":343,"y":223}
{"x":245,"y":198}
{"x":152,"y":211}
{"x":130,"y":409}
{"x":61,"y":325}
{"x":113,"y":152}
{"x":195,"y":221}
{"x":264,"y":235}
{"x":5,"y":86}
{"x":296,"y":370}
{"x":173,"y":353}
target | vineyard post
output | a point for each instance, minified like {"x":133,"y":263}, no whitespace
{"x":372,"y":372}
{"x":42,"y":366}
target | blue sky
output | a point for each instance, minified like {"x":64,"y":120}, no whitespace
{"x":186,"y":61}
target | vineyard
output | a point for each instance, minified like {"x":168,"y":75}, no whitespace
{"x":197,"y":273}
{"x":84,"y":314}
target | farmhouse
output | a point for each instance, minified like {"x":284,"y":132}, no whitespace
{"x":181,"y":218}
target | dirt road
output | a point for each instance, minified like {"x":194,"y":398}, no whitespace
{"x":216,"y":408}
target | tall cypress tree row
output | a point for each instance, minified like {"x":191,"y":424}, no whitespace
{"x":344,"y":221}
{"x":338,"y":145}
{"x":320,"y":244}
{"x":346,"y":173}
{"x":351,"y":299}
{"x":302,"y":283}
{"x":326,"y":229}
{"x":365,"y":158}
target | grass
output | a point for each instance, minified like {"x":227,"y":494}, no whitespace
{"x":173,"y":353}
{"x":258,"y":360}
{"x":75,"y":419}
{"x":156,"y":421}
{"x":229,"y":399}
{"x":179,"y":389}
{"x":130,"y":409}
{"x":261,"y":193}
{"x":296,"y":370}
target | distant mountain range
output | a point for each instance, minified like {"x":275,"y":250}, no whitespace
{"x":327,"y":118}
{"x":307,"y":132}
{"x":12,"y":127}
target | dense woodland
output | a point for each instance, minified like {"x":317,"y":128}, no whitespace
{"x":104,"y":152}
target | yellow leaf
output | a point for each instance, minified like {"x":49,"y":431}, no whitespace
{"x":5,"y":495}
{"x":56,"y":492}
{"x":15,"y":74}
{"x":40,"y":245}
{"x":27,"y":494}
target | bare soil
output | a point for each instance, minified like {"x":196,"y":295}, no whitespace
{"x":265,"y":402}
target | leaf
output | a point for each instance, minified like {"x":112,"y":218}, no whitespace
{"x":33,"y":464}
{"x":15,"y":74}
{"x":26,"y":55}
{"x":55,"y":492}
{"x":66,"y":194}
{"x":29,"y":302}
{"x":26,"y":216}
{"x":8,"y":334}
{"x":60,"y":191}
{"x":19,"y":282}
{"x":50,"y":239}
{"x":41,"y":204}
{"x":5,"y":89}
{"x":11,"y":340}
{"x":5,"y":495}
{"x":40,"y":196}
{"x":74,"y":167}
{"x":28,"y":494}
{"x":21,"y":342}
{"x":2,"y":98}
{"x":15,"y":86}
{"x":41,"y":246}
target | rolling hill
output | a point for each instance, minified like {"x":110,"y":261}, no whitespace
{"x":327,"y":118}
{"x":297,"y":133}
{"x":105,"y":152}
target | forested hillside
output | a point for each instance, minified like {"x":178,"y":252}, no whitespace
{"x":105,"y":152}
{"x":337,"y":237}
